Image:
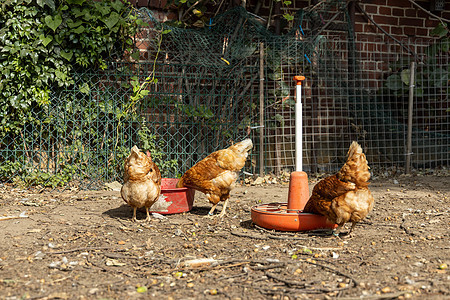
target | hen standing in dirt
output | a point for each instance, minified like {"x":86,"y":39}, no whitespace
{"x":142,"y":181}
{"x":345,"y":196}
{"x":216,"y":174}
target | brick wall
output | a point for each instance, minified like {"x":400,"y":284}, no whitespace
{"x":400,"y":19}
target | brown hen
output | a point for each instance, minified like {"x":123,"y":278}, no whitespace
{"x":216,"y":174}
{"x":345,"y":196}
{"x":142,"y":181}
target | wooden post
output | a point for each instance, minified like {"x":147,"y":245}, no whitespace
{"x":410,"y":119}
{"x":261,"y":109}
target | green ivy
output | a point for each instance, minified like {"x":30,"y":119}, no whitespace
{"x":43,"y":40}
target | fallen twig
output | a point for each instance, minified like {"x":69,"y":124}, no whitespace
{"x":248,"y":235}
{"x":333,"y":270}
{"x":270,"y":236}
{"x":262,"y":268}
{"x":285,"y":281}
{"x":84,"y":249}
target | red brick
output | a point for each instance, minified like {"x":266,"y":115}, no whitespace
{"x":398,"y":12}
{"x":367,"y":37}
{"x":358,"y":27}
{"x":384,"y":11}
{"x":409,"y":31}
{"x":154,"y":3}
{"x":412,"y":22}
{"x":385,"y":20}
{"x":431,"y":23}
{"x":142,"y":3}
{"x":370,"y":28}
{"x":396,"y":30}
{"x":370,"y":9}
{"x":379,"y":2}
{"x":382,"y":48}
{"x":422,"y":14}
{"x":398,"y":3}
{"x":360,"y":18}
{"x":411,"y":12}
{"x":422,"y":32}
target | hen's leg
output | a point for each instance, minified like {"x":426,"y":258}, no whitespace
{"x":351,"y":229}
{"x":148,"y":214}
{"x":213,"y":208}
{"x":224,"y":208}
{"x":214,"y":199}
{"x":336,"y":231}
{"x":134,"y":215}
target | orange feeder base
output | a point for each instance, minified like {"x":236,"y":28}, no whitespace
{"x":289,"y":216}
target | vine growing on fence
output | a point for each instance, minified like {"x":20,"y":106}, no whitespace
{"x":42,"y":42}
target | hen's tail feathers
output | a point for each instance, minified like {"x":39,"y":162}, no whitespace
{"x":354,"y":148}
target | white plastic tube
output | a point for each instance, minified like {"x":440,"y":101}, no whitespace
{"x":298,"y":124}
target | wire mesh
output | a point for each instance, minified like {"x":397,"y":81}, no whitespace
{"x":207,"y":96}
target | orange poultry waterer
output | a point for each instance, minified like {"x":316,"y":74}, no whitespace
{"x":289,"y":216}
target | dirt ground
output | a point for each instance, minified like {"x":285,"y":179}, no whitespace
{"x":83,"y":245}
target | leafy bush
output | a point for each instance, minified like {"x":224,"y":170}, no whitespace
{"x":43,"y":40}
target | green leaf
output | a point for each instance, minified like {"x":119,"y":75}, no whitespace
{"x":76,"y":2}
{"x":117,"y":5}
{"x":60,"y":75}
{"x":85,"y":89}
{"x":45,"y":39}
{"x":104,"y":10}
{"x":111,"y":20}
{"x":73,"y":24}
{"x":135,"y":55}
{"x":79,"y":30}
{"x":49,"y":3}
{"x":53,"y":23}
{"x":166,"y":31}
{"x":288,"y":17}
{"x":439,"y":31}
{"x":405,"y":76}
{"x":394,"y":82}
{"x":439,"y":77}
{"x":67,"y":55}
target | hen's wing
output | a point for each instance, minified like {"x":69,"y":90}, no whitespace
{"x":324,"y":192}
{"x":202,"y":175}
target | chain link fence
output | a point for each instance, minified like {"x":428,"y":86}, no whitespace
{"x":205,"y":89}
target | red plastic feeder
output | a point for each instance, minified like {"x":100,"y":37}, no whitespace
{"x":173,"y":200}
{"x":289,"y":216}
